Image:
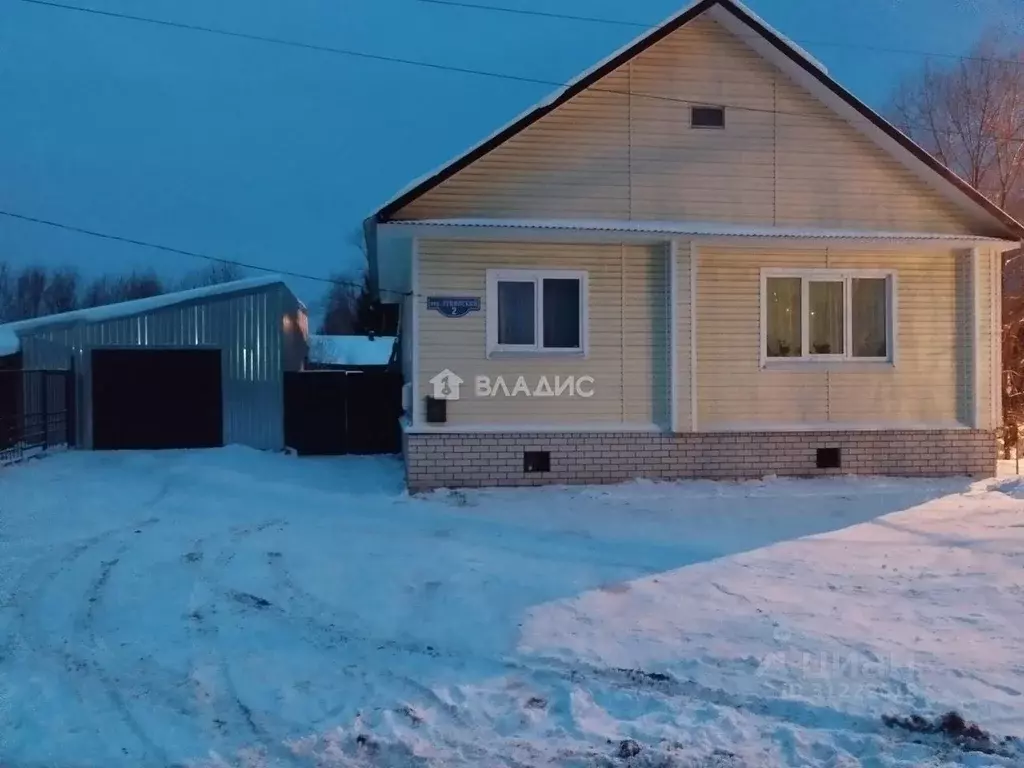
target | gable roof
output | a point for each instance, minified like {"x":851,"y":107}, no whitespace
{"x":793,"y":53}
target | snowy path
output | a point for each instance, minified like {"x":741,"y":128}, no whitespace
{"x":232,"y":608}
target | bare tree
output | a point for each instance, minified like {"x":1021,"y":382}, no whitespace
{"x":347,"y":305}
{"x":213,"y":274}
{"x":339,"y":308}
{"x":6,"y":292}
{"x":35,"y":291}
{"x":29,"y":293}
{"x":138,"y":285}
{"x":98,"y":292}
{"x":61,"y":292}
{"x":113,"y":289}
{"x":970,"y":115}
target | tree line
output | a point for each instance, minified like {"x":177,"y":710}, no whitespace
{"x":35,"y":291}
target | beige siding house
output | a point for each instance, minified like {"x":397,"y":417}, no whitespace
{"x":702,"y":258}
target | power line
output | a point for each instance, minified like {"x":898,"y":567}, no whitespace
{"x":182,"y":251}
{"x":434,"y":66}
{"x":283,"y":41}
{"x":545,"y":14}
{"x":641,"y":25}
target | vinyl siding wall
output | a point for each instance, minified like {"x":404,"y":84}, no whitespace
{"x":931,"y":384}
{"x":628,"y":334}
{"x":613,"y":152}
{"x":988,"y":274}
{"x":684,"y":357}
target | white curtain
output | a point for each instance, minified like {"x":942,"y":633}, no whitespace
{"x":783,"y":312}
{"x":868,"y":300}
{"x":825,"y":300}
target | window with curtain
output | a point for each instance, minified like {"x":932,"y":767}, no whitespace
{"x":536,"y":311}
{"x":784,"y":312}
{"x":828,"y":314}
{"x":826,"y":317}
{"x":870,"y":310}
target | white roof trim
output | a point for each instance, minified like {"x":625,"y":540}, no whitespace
{"x":681,"y":228}
{"x":137,"y":306}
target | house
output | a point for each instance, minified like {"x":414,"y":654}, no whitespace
{"x":192,"y":369}
{"x":702,"y":258}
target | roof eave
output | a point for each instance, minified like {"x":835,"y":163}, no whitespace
{"x":611,"y":230}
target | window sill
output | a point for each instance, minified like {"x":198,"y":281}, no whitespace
{"x":509,"y":354}
{"x":845,"y":366}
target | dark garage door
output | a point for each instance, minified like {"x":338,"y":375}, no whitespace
{"x":149,"y":399}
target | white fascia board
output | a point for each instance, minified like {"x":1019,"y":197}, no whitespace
{"x":619,"y":231}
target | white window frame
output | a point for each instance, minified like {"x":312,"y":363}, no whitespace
{"x":535,"y":276}
{"x":845,"y":276}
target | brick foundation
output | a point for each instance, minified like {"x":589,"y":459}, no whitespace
{"x":451,"y":460}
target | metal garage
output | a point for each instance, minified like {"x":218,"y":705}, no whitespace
{"x":192,"y":369}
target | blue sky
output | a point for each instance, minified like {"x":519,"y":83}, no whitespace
{"x":273,"y":155}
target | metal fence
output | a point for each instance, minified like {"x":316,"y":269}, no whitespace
{"x":37,"y":412}
{"x":329,"y":413}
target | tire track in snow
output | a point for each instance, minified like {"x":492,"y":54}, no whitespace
{"x":28,"y":633}
{"x":31,"y":591}
{"x":85,"y":625}
{"x":228,"y":716}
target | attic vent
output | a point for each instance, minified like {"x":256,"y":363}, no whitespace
{"x":707,"y":117}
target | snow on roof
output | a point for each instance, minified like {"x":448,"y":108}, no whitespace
{"x":555,"y":95}
{"x":799,"y":50}
{"x":137,"y":306}
{"x":350,"y":350}
{"x":696,"y":228}
{"x":10,"y":344}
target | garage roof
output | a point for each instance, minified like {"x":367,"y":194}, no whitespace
{"x":135,"y":307}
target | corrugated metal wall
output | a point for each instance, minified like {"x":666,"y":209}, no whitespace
{"x":258,"y":333}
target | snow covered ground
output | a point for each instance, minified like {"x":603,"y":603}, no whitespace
{"x":233,"y":608}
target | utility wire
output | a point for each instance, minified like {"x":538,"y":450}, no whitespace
{"x":183,"y":252}
{"x":283,"y":41}
{"x":440,"y":67}
{"x":640,"y":25}
{"x":545,"y":14}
